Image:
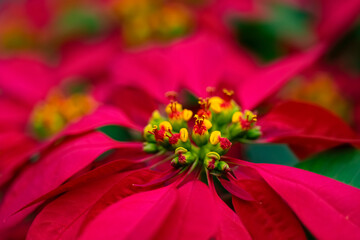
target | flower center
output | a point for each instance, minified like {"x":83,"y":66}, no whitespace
{"x":57,"y":110}
{"x":218,"y":123}
{"x":152,"y":20}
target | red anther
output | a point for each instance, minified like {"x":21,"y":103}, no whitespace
{"x":246,"y":123}
{"x":211,"y":165}
{"x":173,"y":137}
{"x":159,"y":134}
{"x":225,"y":143}
{"x":182,"y":158}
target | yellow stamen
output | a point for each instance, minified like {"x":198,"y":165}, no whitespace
{"x":184,"y":135}
{"x":207,"y":124}
{"x":148,"y":128}
{"x":187,"y":114}
{"x":166,"y":125}
{"x":236,"y":117}
{"x":214,"y":137}
{"x":215,"y":104}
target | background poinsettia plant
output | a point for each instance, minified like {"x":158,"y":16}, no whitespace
{"x":155,"y":120}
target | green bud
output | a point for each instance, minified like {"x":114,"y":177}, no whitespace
{"x":235,"y":131}
{"x":180,"y":150}
{"x":253,"y":134}
{"x":150,"y":147}
{"x":201,"y":140}
{"x":211,"y":160}
{"x":222,"y":166}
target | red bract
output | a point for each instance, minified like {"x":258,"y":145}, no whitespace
{"x":290,"y":123}
{"x":189,"y":64}
{"x":17,"y":101}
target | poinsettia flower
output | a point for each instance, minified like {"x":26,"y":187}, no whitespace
{"x":94,"y":199}
{"x":295,"y":132}
{"x":19,"y":188}
{"x":31,"y":117}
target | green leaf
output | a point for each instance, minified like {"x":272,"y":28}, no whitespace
{"x":271,"y":153}
{"x":117,"y":133}
{"x":266,"y":37}
{"x":260,"y":38}
{"x":290,"y":22}
{"x":341,"y":163}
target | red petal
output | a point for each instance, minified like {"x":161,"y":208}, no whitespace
{"x":104,"y":115}
{"x":236,"y":190}
{"x":337,"y":17}
{"x":13,"y":116}
{"x":193,"y":216}
{"x":63,"y":218}
{"x":19,"y":76}
{"x":198,"y":214}
{"x":268,"y":217}
{"x":229,"y":225}
{"x":76,"y":60}
{"x":328,"y":208}
{"x":148,"y":69}
{"x":139,"y":215}
{"x":99,"y":172}
{"x":266,"y":81}
{"x":197,"y":68}
{"x":188,"y":64}
{"x":139,"y":104}
{"x":306,"y":128}
{"x":58,"y":165}
{"x":122,"y":189}
{"x":15,"y":147}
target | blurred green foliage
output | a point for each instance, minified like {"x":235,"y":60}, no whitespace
{"x":267,"y":37}
{"x":346,"y":52}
